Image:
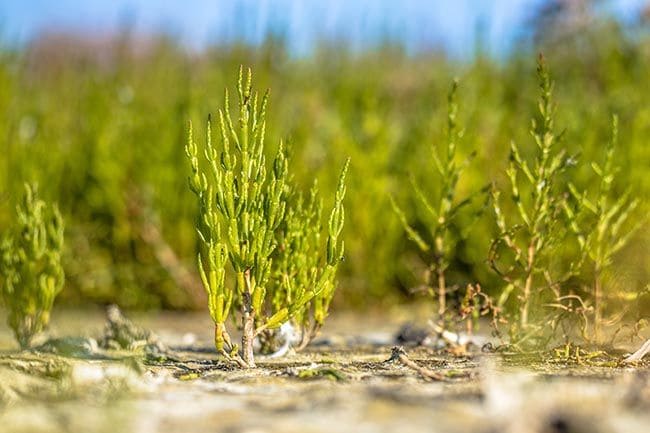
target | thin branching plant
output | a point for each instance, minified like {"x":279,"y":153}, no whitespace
{"x":442,"y":210}
{"x":31,"y":275}
{"x":477,"y":304}
{"x":523,"y":252}
{"x":250,"y":226}
{"x":602,"y":225}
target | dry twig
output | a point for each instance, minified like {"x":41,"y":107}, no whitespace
{"x":398,"y":354}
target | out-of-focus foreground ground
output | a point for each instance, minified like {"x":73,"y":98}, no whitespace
{"x":344,"y":383}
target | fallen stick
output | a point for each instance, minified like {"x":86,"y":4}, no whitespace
{"x":398,"y":354}
{"x":639,"y":354}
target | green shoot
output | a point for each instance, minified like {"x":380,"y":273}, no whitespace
{"x":442,"y":210}
{"x":605,"y":228}
{"x":521,"y":254}
{"x":303,"y":266}
{"x":31,"y":275}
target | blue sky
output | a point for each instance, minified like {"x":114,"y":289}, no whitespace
{"x":451,"y":24}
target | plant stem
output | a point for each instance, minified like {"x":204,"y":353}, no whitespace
{"x":440,"y":272}
{"x":442,"y":293}
{"x":248,"y":318}
{"x":25,"y":339}
{"x":528,"y":285}
{"x":597,"y":304}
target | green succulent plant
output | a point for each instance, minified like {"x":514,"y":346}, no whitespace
{"x":31,"y":275}
{"x":251,"y":225}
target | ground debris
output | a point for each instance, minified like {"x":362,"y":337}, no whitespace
{"x":73,"y":347}
{"x":411,"y":334}
{"x":121,"y":339}
{"x":639,"y":354}
{"x":38,"y":366}
{"x":121,"y":333}
{"x":398,"y":354}
{"x":327,"y":372}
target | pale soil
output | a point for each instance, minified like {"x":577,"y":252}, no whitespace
{"x":342,"y":384}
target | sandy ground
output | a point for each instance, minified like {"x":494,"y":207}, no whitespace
{"x":344,"y":384}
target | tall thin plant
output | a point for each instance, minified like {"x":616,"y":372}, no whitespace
{"x":442,"y":209}
{"x":523,"y":251}
{"x":602,"y":224}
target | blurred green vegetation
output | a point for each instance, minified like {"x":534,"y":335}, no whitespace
{"x":101,"y":125}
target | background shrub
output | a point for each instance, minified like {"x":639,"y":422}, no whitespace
{"x":31,"y":275}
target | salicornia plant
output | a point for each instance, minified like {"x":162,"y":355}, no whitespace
{"x":523,"y":250}
{"x":303,"y":266}
{"x":442,"y":210}
{"x":31,"y":275}
{"x":250,"y":226}
{"x":603,"y":224}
